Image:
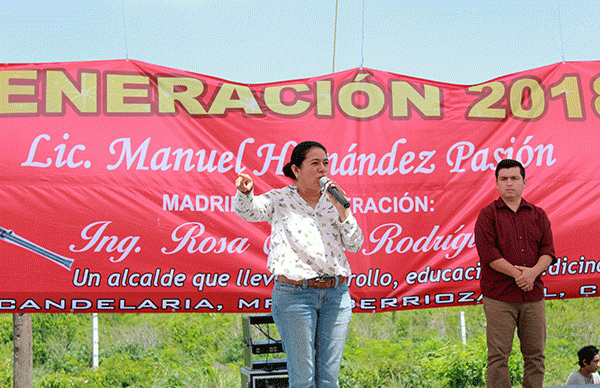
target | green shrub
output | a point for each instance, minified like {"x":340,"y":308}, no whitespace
{"x":6,"y":372}
{"x":123,"y":371}
{"x":6,"y":329}
{"x":61,"y":340}
{"x":400,"y":349}
{"x":62,"y":380}
{"x":462,"y":366}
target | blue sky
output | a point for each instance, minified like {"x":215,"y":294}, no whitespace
{"x":254,"y":41}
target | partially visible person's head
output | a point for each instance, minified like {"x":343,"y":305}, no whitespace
{"x":299,"y":155}
{"x":510,"y":163}
{"x":586,"y":355}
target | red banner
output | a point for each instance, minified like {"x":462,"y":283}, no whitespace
{"x":117,"y":180}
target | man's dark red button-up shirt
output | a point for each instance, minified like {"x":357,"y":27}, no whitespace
{"x":521,"y":238}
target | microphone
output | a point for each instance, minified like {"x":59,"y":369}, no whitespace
{"x":335,"y":192}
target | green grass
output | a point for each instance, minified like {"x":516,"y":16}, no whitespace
{"x":397,"y":349}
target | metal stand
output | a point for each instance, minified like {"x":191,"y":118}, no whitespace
{"x":263,"y":373}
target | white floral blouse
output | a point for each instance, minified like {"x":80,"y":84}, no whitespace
{"x":305,"y":242}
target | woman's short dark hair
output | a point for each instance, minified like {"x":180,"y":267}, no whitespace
{"x":298,"y":156}
{"x":510,"y":163}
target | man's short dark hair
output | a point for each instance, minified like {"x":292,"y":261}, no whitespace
{"x":587,"y":354}
{"x":510,"y":163}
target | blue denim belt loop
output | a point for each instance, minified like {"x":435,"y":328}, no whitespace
{"x":304,"y":284}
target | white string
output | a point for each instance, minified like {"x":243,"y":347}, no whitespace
{"x":334,"y":35}
{"x":362,"y":37}
{"x":124,"y":29}
{"x":562,"y":43}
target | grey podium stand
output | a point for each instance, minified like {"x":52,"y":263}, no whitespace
{"x":263,"y":373}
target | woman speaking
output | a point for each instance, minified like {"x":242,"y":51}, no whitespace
{"x":310,"y":229}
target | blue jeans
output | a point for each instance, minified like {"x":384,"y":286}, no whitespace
{"x":313,"y":324}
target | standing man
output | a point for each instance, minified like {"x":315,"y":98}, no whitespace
{"x":515,"y":246}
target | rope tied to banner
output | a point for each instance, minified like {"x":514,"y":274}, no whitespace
{"x":334,"y":35}
{"x":562,"y":43}
{"x":124,"y":29}
{"x":362,"y":36}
